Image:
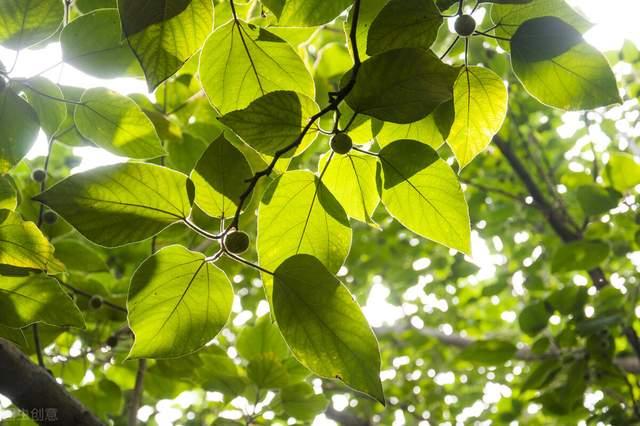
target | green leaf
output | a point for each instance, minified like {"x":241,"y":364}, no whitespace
{"x":36,"y":298}
{"x":401,"y":85}
{"x":264,"y":337}
{"x":51,"y":113}
{"x":78,"y":256}
{"x":220,"y":177}
{"x":534,"y":318}
{"x":542,"y":374}
{"x":123,"y":203}
{"x":324,"y":327}
{"x":422,"y":192}
{"x":94,"y":43}
{"x":8,"y":193}
{"x":22,"y":244}
{"x":569,"y":300}
{"x":26,"y":22}
{"x":489,"y":352}
{"x":19,"y":124}
{"x":274,"y":121}
{"x":297,"y":215}
{"x":559,"y":68}
{"x":404,"y":23}
{"x":178,"y":301}
{"x":508,"y":18}
{"x":300,"y":401}
{"x":596,"y":200}
{"x":579,"y":256}
{"x":622,"y":171}
{"x":241,"y":62}
{"x":353,"y":179}
{"x":306,"y":13}
{"x":480,"y":103}
{"x":267,"y":371}
{"x":424,"y":130}
{"x":164,"y":34}
{"x":117,"y":124}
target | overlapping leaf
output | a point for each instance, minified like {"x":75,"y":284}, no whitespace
{"x":19,"y":124}
{"x":164,"y":34}
{"x":324,"y":326}
{"x":559,"y":68}
{"x":306,"y":13}
{"x":22,"y":244}
{"x":480,"y":103}
{"x":116,"y":123}
{"x":423,"y":193}
{"x":220,"y":177}
{"x":121,"y":204}
{"x":26,"y":300}
{"x":24,"y":23}
{"x":402,"y":85}
{"x":240,"y":63}
{"x":177,"y":303}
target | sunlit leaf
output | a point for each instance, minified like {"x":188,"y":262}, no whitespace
{"x":117,"y":124}
{"x":25,"y":22}
{"x":220,"y":177}
{"x":41,"y":94}
{"x":121,"y":204}
{"x":422,"y":192}
{"x":19,"y":124}
{"x":324,"y":326}
{"x":306,"y":13}
{"x":480,"y":103}
{"x":177,"y":303}
{"x":241,"y":62}
{"x":22,"y":244}
{"x":26,"y":300}
{"x":164,"y":34}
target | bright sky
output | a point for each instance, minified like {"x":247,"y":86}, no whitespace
{"x":615,"y":21}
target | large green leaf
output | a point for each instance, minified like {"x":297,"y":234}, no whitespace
{"x":402,"y":85}
{"x":508,"y":17}
{"x":300,"y":401}
{"x":26,"y":300}
{"x":306,"y":13}
{"x":121,"y":204}
{"x":116,"y":123}
{"x":177,"y":303}
{"x":423,"y":193}
{"x":267,"y":371}
{"x":579,"y":255}
{"x":40,"y":93}
{"x":324,"y":326}
{"x":534,"y":318}
{"x":559,"y":68}
{"x":241,"y":62}
{"x":19,"y":124}
{"x":164,"y":34}
{"x":94,"y":43}
{"x":425,"y":130}
{"x":480,"y":103}
{"x":596,"y":200}
{"x":220,"y":177}
{"x":404,"y":23}
{"x":264,"y":337}
{"x":26,"y":22}
{"x":298,"y":214}
{"x":274,"y":121}
{"x":22,"y":244}
{"x":353,"y":179}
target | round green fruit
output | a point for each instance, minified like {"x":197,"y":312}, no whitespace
{"x":341,"y":143}
{"x":50,"y":217}
{"x":237,"y":242}
{"x":465,"y":25}
{"x":39,"y":175}
{"x":95,"y":302}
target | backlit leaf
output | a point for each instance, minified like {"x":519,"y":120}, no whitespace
{"x":324,"y":326}
{"x":22,"y":244}
{"x":123,"y":203}
{"x":306,"y":13}
{"x":19,"y":124}
{"x":25,"y":22}
{"x":177,"y":303}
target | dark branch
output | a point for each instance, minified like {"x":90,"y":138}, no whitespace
{"x":31,"y":387}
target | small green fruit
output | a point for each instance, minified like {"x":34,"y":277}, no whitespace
{"x":95,"y":302}
{"x":237,"y":242}
{"x":39,"y":175}
{"x":341,"y":143}
{"x":49,"y":217}
{"x":465,"y":25}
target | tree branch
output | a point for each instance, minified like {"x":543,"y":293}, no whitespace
{"x":31,"y":387}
